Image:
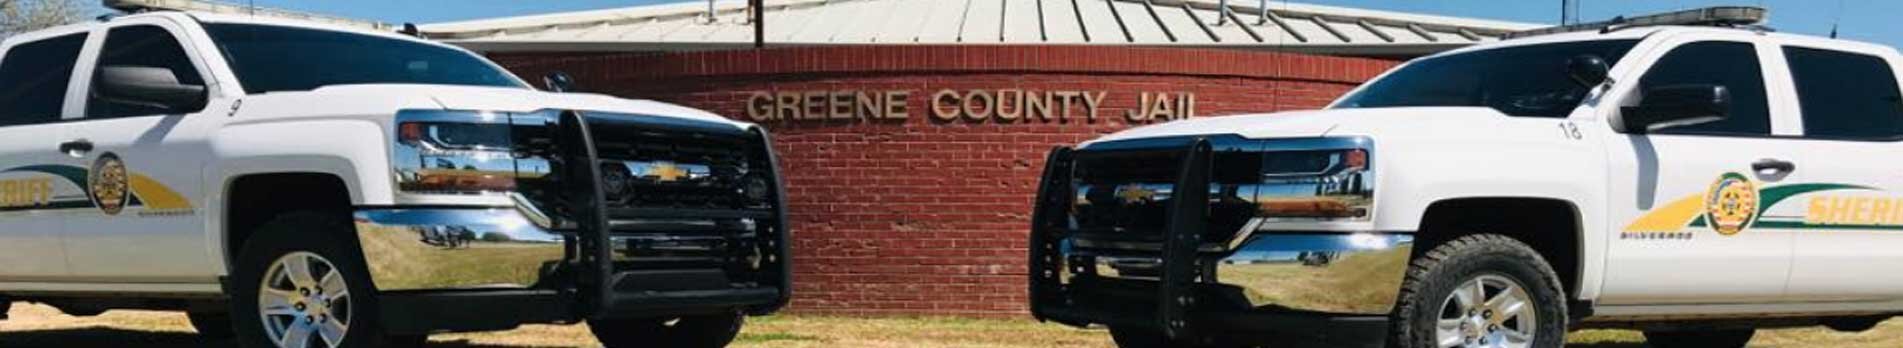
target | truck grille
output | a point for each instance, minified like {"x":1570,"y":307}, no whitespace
{"x":1123,"y":194}
{"x":691,"y":202}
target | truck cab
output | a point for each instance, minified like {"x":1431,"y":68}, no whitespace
{"x":1692,"y":175}
{"x":298,"y":184}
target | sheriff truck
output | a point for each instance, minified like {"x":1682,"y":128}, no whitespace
{"x":300,"y":185}
{"x":1692,"y":175}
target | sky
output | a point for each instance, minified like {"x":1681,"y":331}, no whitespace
{"x":1863,"y":20}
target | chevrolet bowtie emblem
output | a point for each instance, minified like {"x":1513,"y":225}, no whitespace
{"x":666,"y":172}
{"x":1133,"y":193}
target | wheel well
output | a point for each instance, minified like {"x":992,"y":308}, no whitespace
{"x":1550,"y":226}
{"x":253,"y":200}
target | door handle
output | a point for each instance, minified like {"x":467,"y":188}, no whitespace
{"x":1772,"y":166}
{"x":76,"y":148}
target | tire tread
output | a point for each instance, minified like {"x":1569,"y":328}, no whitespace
{"x":1418,"y":278}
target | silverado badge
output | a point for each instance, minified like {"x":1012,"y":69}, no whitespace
{"x":1732,"y":204}
{"x":107,"y":184}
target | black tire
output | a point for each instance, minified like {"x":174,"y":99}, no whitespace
{"x":1433,"y":276}
{"x":708,"y":331}
{"x":1699,"y":339}
{"x":328,"y":236}
{"x":215,"y":326}
{"x":1139,"y":338}
{"x":405,"y":341}
{"x":1127,"y":337}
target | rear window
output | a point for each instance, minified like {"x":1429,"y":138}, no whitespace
{"x":33,"y":79}
{"x":1846,"y":95}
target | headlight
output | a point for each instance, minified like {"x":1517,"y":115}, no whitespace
{"x":453,"y":152}
{"x":1317,"y":183}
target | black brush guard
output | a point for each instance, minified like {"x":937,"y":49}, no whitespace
{"x":597,"y":275}
{"x":1184,"y":301}
{"x":1051,"y":298}
{"x":589,"y":283}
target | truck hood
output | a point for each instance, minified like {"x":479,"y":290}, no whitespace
{"x":384,"y":99}
{"x":1312,"y":123}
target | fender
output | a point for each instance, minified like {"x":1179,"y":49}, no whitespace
{"x":1418,"y":169}
{"x":329,"y":146}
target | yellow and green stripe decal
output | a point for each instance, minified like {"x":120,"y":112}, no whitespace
{"x":146,"y":191}
{"x":1689,"y":211}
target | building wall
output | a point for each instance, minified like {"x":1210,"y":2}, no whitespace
{"x":924,"y":215}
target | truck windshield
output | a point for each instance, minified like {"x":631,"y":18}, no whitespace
{"x":270,"y":58}
{"x":1529,"y":81}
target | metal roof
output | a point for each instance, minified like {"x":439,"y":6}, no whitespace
{"x":1202,"y":23}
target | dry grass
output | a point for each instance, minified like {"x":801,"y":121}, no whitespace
{"x":1291,"y":282}
{"x":430,"y":267}
{"x":40,"y":326}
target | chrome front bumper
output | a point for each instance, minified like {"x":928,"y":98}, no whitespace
{"x":1335,"y":273}
{"x":455,"y":249}
{"x":1339,"y":273}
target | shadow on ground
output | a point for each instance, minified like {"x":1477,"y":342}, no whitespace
{"x":105,"y":337}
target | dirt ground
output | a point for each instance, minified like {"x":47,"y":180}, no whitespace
{"x":40,"y":326}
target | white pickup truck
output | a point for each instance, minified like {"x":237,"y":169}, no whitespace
{"x":298,"y":185}
{"x":1691,"y":175}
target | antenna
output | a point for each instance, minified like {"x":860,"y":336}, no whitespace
{"x":1568,"y":12}
{"x":1839,"y":19}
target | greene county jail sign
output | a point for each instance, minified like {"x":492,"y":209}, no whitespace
{"x":950,"y":105}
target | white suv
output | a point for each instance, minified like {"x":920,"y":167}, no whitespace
{"x":1696,"y":181}
{"x":297,"y":185}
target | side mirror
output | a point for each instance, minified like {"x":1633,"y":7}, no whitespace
{"x":1588,"y":70}
{"x":147,"y":86}
{"x":1676,"y":106}
{"x":558,"y":82}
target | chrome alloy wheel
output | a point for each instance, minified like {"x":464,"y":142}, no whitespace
{"x":304,"y":302}
{"x":1488,"y":311}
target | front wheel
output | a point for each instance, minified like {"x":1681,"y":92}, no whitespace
{"x":708,"y":331}
{"x":297,"y":284}
{"x":1480,"y":291}
{"x":1699,"y":339}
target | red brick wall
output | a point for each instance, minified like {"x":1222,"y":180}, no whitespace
{"x":922,"y":216}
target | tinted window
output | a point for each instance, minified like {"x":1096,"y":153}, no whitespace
{"x":141,"y":46}
{"x":1527,"y":80}
{"x":1730,"y":64}
{"x":273,"y":59}
{"x":1846,"y":95}
{"x":33,"y":79}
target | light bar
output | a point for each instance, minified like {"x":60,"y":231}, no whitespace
{"x":1722,"y":16}
{"x":205,"y":6}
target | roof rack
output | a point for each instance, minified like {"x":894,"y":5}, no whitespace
{"x":1721,"y":16}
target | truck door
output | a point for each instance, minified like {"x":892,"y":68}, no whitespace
{"x":1849,"y":213}
{"x":1684,"y":199}
{"x":35,"y":189}
{"x":147,"y":161}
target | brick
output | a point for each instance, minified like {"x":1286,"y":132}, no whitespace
{"x":927,"y":217}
